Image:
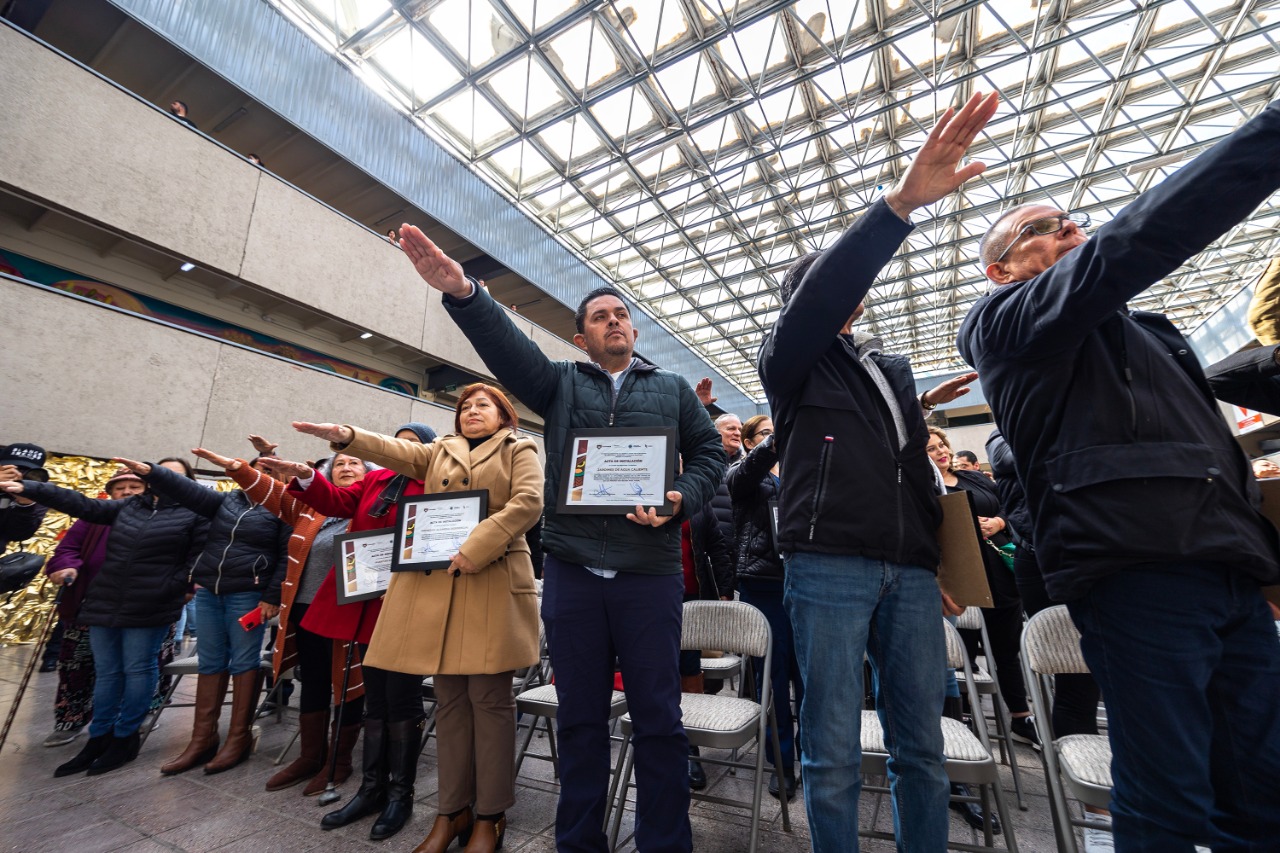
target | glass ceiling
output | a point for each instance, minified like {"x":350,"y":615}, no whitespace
{"x":690,"y":149}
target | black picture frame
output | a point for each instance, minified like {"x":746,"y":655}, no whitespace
{"x":406,"y":512}
{"x":567,"y":473}
{"x":340,"y":568}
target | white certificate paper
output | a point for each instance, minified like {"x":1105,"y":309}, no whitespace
{"x":611,"y":471}
{"x":430,"y":529}
{"x":363,"y":564}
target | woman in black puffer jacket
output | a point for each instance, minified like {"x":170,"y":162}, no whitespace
{"x":754,"y":487}
{"x":239,"y":571}
{"x":130,"y":606}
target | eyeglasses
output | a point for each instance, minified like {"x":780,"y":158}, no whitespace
{"x":1047,"y":225}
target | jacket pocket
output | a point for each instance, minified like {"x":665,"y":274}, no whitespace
{"x":519,"y":574}
{"x":824,"y":469}
{"x":1131,"y":501}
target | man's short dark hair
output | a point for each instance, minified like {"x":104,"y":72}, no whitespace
{"x":580,"y":316}
{"x":967,"y":455}
{"x":795,"y":274}
{"x":183,"y":104}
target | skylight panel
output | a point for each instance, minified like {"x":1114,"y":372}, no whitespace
{"x":623,"y":112}
{"x":583,"y":55}
{"x":535,"y":15}
{"x":525,"y":88}
{"x":473,"y":29}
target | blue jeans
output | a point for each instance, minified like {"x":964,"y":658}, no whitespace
{"x":636,"y":619}
{"x":840,"y":606}
{"x":766,"y":596}
{"x":1189,"y":666}
{"x":124,"y":661}
{"x":225,"y":646}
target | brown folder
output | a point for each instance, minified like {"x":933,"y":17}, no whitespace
{"x":962,"y":575}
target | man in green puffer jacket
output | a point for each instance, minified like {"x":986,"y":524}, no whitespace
{"x":612,"y":585}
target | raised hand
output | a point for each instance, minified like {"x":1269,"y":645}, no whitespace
{"x":933,"y":172}
{"x":703,"y":390}
{"x":285,"y":469}
{"x":262,"y":446}
{"x":142,"y":469}
{"x":216,"y":459}
{"x":332,"y":433}
{"x":945,"y":392}
{"x":650,"y":516}
{"x":436,"y":268}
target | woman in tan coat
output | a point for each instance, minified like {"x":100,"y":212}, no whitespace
{"x":474,"y":624}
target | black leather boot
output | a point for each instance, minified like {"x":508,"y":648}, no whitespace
{"x":971,"y":812}
{"x":89,"y":753}
{"x":121,"y":751}
{"x":404,"y":738}
{"x":372,"y":795}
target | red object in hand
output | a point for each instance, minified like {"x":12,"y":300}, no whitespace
{"x":252,"y":619}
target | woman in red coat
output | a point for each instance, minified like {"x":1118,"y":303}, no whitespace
{"x":393,"y":701}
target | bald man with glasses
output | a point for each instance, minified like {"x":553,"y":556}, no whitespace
{"x":1144,"y":509}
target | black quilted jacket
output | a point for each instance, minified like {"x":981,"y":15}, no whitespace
{"x":247,"y":546}
{"x":752,"y":487}
{"x":143,"y":581}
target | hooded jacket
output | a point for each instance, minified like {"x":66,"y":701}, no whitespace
{"x":850,"y":487}
{"x":153,"y":541}
{"x":247,"y":547}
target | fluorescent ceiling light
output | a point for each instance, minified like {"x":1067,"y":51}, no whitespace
{"x":366,"y":336}
{"x":187,"y":267}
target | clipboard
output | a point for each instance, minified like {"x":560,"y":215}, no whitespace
{"x":1270,"y":489}
{"x":962,"y":573}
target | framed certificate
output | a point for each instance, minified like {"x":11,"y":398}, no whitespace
{"x":610,"y":471}
{"x":363,"y":564}
{"x":430,"y":529}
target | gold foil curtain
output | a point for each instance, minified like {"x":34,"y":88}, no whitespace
{"x":22,"y":614}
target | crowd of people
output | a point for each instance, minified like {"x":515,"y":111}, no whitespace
{"x":1115,"y":487}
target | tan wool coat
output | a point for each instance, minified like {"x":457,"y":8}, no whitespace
{"x":474,"y":624}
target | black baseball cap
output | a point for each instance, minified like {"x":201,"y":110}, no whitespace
{"x":27,"y":457}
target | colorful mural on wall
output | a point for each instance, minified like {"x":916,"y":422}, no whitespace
{"x":29,"y":268}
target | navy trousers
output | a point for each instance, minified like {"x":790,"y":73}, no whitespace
{"x":590,"y":622}
{"x":1188,"y":661}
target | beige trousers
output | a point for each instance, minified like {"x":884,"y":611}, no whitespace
{"x":476,"y":742}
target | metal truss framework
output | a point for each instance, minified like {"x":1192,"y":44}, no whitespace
{"x":689,"y":150}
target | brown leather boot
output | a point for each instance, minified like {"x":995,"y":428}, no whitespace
{"x":445,"y":829}
{"x":210,"y":691}
{"x":240,"y":742}
{"x":312,"y":752}
{"x":486,"y":836}
{"x":344,"y":741}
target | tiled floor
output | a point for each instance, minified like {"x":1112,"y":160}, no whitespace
{"x":137,"y":810}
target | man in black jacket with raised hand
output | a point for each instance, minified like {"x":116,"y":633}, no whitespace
{"x":1143,"y":505}
{"x":859,"y":515}
{"x":612,"y":585}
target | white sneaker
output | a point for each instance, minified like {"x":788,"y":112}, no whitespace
{"x":62,"y":737}
{"x":1098,"y":840}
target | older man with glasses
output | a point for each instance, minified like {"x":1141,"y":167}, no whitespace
{"x":1144,"y":507}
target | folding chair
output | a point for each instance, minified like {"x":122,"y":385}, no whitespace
{"x":1075,"y":765}
{"x":719,"y":722}
{"x":988,"y":684}
{"x":536,"y":697}
{"x":177,"y":670}
{"x":968,"y":755}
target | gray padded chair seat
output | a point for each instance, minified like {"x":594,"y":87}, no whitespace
{"x":961,"y":744}
{"x":1086,"y":758}
{"x":544,"y":702}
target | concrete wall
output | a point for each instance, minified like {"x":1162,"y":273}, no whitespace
{"x":79,"y":378}
{"x":78,"y":144}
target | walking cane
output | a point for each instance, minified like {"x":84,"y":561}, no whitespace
{"x":331,"y":794}
{"x":31,"y":664}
